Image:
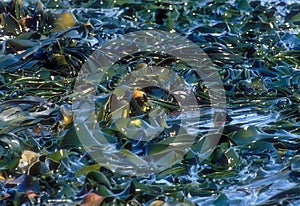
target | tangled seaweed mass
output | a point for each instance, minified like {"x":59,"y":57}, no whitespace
{"x":254,"y":46}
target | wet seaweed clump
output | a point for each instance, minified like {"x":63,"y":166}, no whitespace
{"x":254,"y":46}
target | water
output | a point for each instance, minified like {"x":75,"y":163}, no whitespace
{"x":255,"y":156}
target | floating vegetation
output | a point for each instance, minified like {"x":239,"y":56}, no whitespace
{"x":254,"y":46}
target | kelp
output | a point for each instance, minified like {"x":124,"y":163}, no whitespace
{"x":255,"y":48}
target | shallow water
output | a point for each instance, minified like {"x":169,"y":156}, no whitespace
{"x":244,"y":152}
